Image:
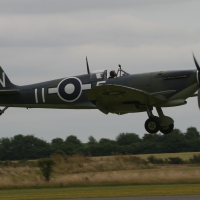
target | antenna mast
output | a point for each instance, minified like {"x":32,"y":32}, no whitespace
{"x":88,"y":69}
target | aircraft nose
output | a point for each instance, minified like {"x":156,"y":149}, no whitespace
{"x":198,"y":78}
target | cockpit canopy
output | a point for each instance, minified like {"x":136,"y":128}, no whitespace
{"x":121,"y":72}
{"x":101,"y":75}
{"x":98,"y":75}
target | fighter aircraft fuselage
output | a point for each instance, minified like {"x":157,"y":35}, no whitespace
{"x":122,"y":94}
{"x":50,"y":94}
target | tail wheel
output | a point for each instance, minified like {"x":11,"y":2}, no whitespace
{"x":167,"y":129}
{"x":152,"y":125}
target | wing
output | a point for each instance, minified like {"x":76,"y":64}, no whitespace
{"x":108,"y":96}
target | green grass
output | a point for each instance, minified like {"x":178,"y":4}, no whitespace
{"x":79,"y":171}
{"x":82,"y":171}
{"x":185,"y":156}
{"x":108,"y":191}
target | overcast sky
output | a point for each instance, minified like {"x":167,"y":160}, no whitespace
{"x":41,"y":40}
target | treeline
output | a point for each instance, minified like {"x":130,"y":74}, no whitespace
{"x":22,"y":147}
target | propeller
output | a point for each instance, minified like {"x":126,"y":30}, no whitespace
{"x":198,"y":77}
{"x":196,"y":63}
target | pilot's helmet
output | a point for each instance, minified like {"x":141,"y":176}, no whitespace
{"x":113,"y":73}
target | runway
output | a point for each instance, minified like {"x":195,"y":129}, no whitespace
{"x":189,"y":197}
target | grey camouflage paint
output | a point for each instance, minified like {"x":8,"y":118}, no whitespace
{"x":183,"y":82}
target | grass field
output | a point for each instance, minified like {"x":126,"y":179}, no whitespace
{"x":163,"y":175}
{"x":109,"y":191}
{"x":112,"y":170}
{"x":185,"y":156}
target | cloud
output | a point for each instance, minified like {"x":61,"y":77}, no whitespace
{"x":63,"y":30}
{"x":36,"y":7}
{"x":45,"y":40}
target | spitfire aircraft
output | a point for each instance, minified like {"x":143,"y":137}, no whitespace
{"x":122,"y":94}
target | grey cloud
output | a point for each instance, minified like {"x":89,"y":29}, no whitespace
{"x":67,"y":6}
{"x":43,"y":40}
{"x":62,"y":30}
{"x":30,"y":65}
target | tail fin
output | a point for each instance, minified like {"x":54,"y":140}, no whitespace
{"x":4,"y":80}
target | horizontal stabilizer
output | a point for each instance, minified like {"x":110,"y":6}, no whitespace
{"x":14,"y":91}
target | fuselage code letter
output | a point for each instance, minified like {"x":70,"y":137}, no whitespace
{"x":3,"y":81}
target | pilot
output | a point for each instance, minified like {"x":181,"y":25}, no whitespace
{"x":112,"y":74}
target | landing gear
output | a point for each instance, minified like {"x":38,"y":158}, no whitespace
{"x":154,"y":124}
{"x":167,"y":129}
{"x":2,"y":111}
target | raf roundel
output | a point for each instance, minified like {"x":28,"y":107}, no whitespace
{"x":70,"y":89}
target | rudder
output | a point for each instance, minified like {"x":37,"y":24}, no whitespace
{"x":4,"y":80}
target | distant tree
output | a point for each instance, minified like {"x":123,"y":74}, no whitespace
{"x":106,"y":141}
{"x":154,"y":160}
{"x":151,"y":137}
{"x":57,"y":144}
{"x":22,"y":147}
{"x":5,"y":149}
{"x":46,"y":167}
{"x":92,"y":140}
{"x":175,"y":160}
{"x":107,"y":147}
{"x":127,"y":149}
{"x":91,"y":147}
{"x":173,"y":142}
{"x":72,"y":140}
{"x":127,"y":139}
{"x":72,"y":145}
{"x":195,"y":159}
{"x":192,"y":133}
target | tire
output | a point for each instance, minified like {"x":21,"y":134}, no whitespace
{"x":167,"y":129}
{"x":156,"y":119}
{"x":152,"y":125}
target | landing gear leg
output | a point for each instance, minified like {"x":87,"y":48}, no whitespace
{"x":166,"y":123}
{"x":2,"y":111}
{"x":152,"y":124}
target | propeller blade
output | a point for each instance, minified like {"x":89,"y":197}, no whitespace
{"x":196,"y":63}
{"x":88,"y":69}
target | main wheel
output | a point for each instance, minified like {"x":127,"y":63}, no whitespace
{"x":167,"y":129}
{"x":152,"y":125}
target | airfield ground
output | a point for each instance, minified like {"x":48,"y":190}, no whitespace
{"x":108,"y":191}
{"x":100,"y":177}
